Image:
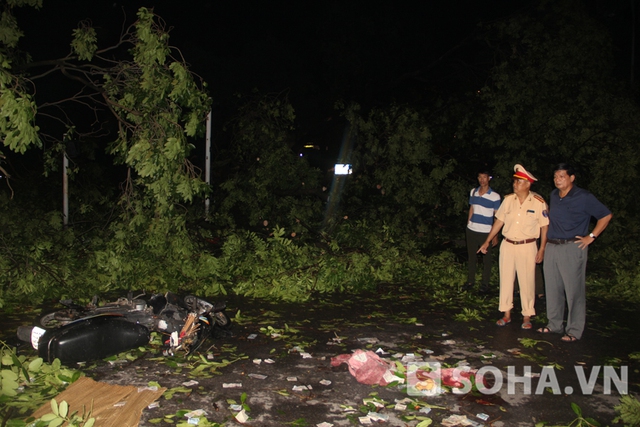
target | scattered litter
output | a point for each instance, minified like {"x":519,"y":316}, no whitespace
{"x":410,"y":358}
{"x":269,"y":361}
{"x":325,"y":382}
{"x":419,"y":324}
{"x":488,"y":356}
{"x":231,"y":385}
{"x":377,"y":416}
{"x":194,"y":421}
{"x":378,"y":403}
{"x":457,"y":420}
{"x":153,"y":405}
{"x":297,"y":349}
{"x":444,"y":334}
{"x":292,"y":378}
{"x":381,"y":351}
{"x":196,"y":413}
{"x":257,"y":361}
{"x":252,"y":336}
{"x":365,"y":420}
{"x":258,"y":376}
{"x":398,"y":356}
{"x":368,"y":340}
{"x":448,"y":342}
{"x":425,"y":410}
{"x":235,"y":407}
{"x":190,"y":383}
{"x":400,"y":407}
{"x":324,"y":424}
{"x":210,"y":356}
{"x":417,"y":337}
{"x":426,"y":351}
{"x":482,"y":416}
{"x":300,"y":388}
{"x":242,"y":417}
{"x":306,"y":355}
{"x":514,"y":350}
{"x":390,"y":377}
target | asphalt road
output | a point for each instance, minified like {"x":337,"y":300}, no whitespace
{"x":278,"y":364}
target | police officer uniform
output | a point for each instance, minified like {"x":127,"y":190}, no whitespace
{"x":522,"y":224}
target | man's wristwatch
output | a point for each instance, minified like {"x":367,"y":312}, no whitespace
{"x":593,"y":236}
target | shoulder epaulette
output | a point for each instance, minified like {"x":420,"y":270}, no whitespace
{"x":539,"y":198}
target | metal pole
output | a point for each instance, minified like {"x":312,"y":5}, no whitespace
{"x":207,"y":165}
{"x":65,"y":189}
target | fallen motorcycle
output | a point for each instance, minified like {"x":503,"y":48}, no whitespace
{"x":83,"y":333}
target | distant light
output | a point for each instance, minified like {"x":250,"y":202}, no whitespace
{"x":309,"y":146}
{"x":342,"y":169}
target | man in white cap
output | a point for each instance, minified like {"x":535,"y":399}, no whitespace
{"x":524,"y":215}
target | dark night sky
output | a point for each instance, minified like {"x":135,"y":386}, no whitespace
{"x":367,"y":51}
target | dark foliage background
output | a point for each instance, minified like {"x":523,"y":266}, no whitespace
{"x":417,"y":98}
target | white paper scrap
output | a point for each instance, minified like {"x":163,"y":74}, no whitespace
{"x":196,"y":413}
{"x":242,"y":417}
{"x":231,"y":385}
{"x":190,"y":383}
{"x":325,"y":382}
{"x":258,"y":376}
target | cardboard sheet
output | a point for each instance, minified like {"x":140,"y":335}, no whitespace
{"x":113,"y":405}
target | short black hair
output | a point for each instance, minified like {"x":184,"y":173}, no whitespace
{"x":565,"y":167}
{"x":484,"y":172}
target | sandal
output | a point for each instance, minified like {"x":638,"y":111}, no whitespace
{"x":544,"y":330}
{"x":526,"y":325}
{"x":569,"y":338}
{"x":504,"y":321}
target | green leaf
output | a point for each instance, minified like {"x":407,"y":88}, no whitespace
{"x":63,"y":409}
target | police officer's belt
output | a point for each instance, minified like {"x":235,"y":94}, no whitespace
{"x":520,"y":242}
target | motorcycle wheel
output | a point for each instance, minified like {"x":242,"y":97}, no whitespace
{"x":222,"y":320}
{"x":57,"y":318}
